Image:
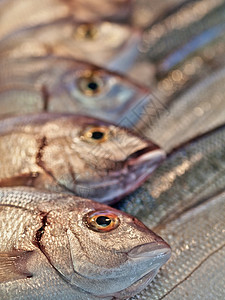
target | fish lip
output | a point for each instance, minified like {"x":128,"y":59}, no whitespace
{"x":151,"y":250}
{"x":150,"y":153}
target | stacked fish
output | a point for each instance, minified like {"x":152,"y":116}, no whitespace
{"x":75,"y":136}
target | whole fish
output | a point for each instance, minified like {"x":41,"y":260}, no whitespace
{"x":17,"y":14}
{"x":64,"y":247}
{"x":104,"y":43}
{"x":61,"y":84}
{"x":72,"y":153}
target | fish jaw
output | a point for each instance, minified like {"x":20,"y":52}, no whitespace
{"x":137,"y":168}
{"x":150,"y":257}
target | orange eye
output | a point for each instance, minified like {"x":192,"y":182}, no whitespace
{"x":86,"y":32}
{"x":96,"y":134}
{"x":91,"y":83}
{"x":102,"y":221}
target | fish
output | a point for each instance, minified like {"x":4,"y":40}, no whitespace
{"x":76,"y":154}
{"x":64,"y":247}
{"x":16,"y":14}
{"x":63,"y":84}
{"x":194,"y":112}
{"x":178,"y":28}
{"x":103,"y":43}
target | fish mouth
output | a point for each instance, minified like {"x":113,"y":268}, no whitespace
{"x":133,"y":172}
{"x":153,"y":255}
{"x":157,"y":250}
{"x":147,"y":154}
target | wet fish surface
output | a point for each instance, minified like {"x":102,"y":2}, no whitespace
{"x":196,"y":111}
{"x":72,"y":248}
{"x":103,"y":43}
{"x":72,"y":153}
{"x":60,"y":84}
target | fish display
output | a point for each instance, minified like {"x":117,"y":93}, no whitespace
{"x":78,"y":154}
{"x":73,"y":248}
{"x":63,"y":84}
{"x":103,"y":43}
{"x":56,"y":245}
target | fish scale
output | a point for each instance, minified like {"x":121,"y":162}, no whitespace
{"x":196,"y":267}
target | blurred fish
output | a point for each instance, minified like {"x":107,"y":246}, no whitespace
{"x":17,"y":14}
{"x":196,"y":111}
{"x":192,"y":62}
{"x":106,"y":44}
{"x":178,"y":28}
{"x":82,"y":155}
{"x":66,"y":85}
{"x":64,"y":247}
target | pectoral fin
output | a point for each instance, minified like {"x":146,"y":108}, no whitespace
{"x":13,"y":265}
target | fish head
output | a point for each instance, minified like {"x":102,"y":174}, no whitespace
{"x":103,"y":251}
{"x":99,"y":160}
{"x":59,"y":84}
{"x":98,"y":42}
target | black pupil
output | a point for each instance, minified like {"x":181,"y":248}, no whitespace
{"x":97,"y":135}
{"x":103,"y":221}
{"x":93,"y":86}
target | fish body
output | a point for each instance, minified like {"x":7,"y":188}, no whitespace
{"x":72,"y":153}
{"x":64,"y":247}
{"x":103,"y":43}
{"x":59,"y":84}
{"x":197,"y":110}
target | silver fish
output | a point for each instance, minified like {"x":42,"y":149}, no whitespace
{"x":66,"y":85}
{"x":17,"y":14}
{"x":77,"y":154}
{"x":196,"y":111}
{"x":176,"y":29}
{"x":63,"y":247}
{"x":103,"y":43}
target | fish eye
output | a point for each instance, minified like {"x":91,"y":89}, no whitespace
{"x":90,"y":83}
{"x":96,"y":134}
{"x":86,"y":32}
{"x":101,"y":221}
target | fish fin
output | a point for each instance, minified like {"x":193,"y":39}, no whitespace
{"x":13,"y":265}
{"x":20,"y":180}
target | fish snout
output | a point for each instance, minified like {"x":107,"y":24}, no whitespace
{"x":152,"y":154}
{"x":159,"y":252}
